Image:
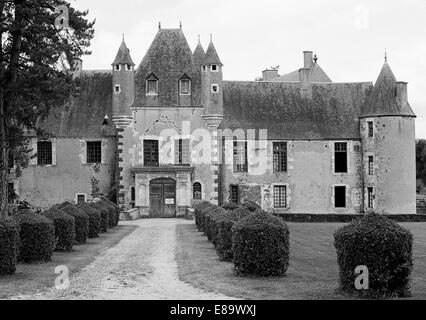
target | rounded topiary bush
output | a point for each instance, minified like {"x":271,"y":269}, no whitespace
{"x":209,"y":221}
{"x":104,"y":215}
{"x":260,"y":243}
{"x":81,"y":223}
{"x":251,"y":206}
{"x":9,"y":245}
{"x":381,"y":245}
{"x":112,"y":217}
{"x":64,"y":228}
{"x":224,"y":237}
{"x":36,"y":237}
{"x":230,"y":206}
{"x":115,"y":207}
{"x":94,"y":219}
{"x":199,"y":211}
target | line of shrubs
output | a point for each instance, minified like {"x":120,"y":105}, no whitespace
{"x":28,"y":236}
{"x":258,"y":244}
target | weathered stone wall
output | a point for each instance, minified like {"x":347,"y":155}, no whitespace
{"x":421,"y":204}
{"x":44,"y":186}
{"x":310,"y":178}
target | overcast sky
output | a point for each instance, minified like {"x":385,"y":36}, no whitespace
{"x":348,"y":36}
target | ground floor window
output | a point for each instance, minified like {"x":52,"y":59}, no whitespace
{"x":234,"y":193}
{"x":197,"y":191}
{"x":280,"y":196}
{"x":370,"y":199}
{"x":340,"y":196}
{"x":81,"y":198}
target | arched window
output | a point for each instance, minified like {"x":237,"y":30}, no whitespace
{"x":197,"y":191}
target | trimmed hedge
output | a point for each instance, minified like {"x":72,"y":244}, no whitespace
{"x":261,"y":245}
{"x":104,"y":215}
{"x":224,"y":237}
{"x":308,"y":217}
{"x":64,"y":228}
{"x":94,"y":219}
{"x":115,"y":207}
{"x":230,"y":206}
{"x":209,"y":220}
{"x":9,"y":245}
{"x":81,"y":223}
{"x":37,"y":237}
{"x":381,"y":245}
{"x":112,"y":218}
{"x":251,"y":206}
{"x":199,"y":211}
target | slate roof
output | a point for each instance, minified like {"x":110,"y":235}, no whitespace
{"x":123,"y":55}
{"x":169,"y":57}
{"x":381,"y":100}
{"x":317,"y":75}
{"x":332,"y":113}
{"x":199,"y":54}
{"x":211,"y":56}
{"x":83,"y":115}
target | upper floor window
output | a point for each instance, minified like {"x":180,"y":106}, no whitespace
{"x":214,"y":68}
{"x":150,"y":153}
{"x":94,"y":151}
{"x":280,"y":156}
{"x":44,"y":153}
{"x":370,"y":128}
{"x":197,"y":191}
{"x":240,"y":156}
{"x":370,"y":165}
{"x":128,"y":67}
{"x":152,"y":85}
{"x":117,"y":67}
{"x":340,"y":157}
{"x":117,"y":88}
{"x":204,"y":68}
{"x":182,"y":152}
{"x":370,"y":196}
{"x":185,"y":87}
{"x":215,"y":88}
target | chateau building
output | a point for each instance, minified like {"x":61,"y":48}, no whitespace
{"x":171,"y":132}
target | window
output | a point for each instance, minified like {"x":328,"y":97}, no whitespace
{"x":117,"y":67}
{"x":370,"y":165}
{"x":234,"y":194}
{"x":150,"y":153}
{"x":129,"y":67}
{"x":280,"y":156}
{"x":240,"y":156}
{"x":81,"y":198}
{"x":370,"y":129}
{"x":340,"y":197}
{"x":370,"y":197}
{"x":94,"y":151}
{"x":152,"y":85}
{"x":280,"y":196}
{"x":204,"y":68}
{"x":182,"y":153}
{"x":213,"y":67}
{"x":215,"y":88}
{"x":117,"y":88}
{"x":132,"y":194}
{"x":196,"y":191}
{"x":11,"y":195}
{"x":44,"y":153}
{"x":340,"y":157}
{"x":185,"y":86}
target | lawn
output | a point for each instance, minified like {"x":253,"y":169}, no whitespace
{"x":313,"y":271}
{"x":34,"y":277}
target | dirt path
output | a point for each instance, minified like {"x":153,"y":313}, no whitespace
{"x":141,"y":266}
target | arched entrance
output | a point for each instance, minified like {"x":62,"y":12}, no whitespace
{"x":162,"y":198}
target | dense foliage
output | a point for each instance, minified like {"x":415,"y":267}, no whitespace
{"x":94,"y":219}
{"x":64,"y":228}
{"x":9,"y":245}
{"x":81,"y":223}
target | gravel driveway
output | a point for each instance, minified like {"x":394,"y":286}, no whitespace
{"x":141,"y":266}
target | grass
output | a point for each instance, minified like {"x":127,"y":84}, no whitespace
{"x":34,"y":277}
{"x":313,"y":271}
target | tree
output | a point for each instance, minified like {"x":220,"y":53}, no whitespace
{"x":421,"y":161}
{"x":34,"y":35}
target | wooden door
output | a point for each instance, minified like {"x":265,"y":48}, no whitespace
{"x":163,"y":198}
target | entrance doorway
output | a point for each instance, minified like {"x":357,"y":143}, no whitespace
{"x":162,"y":198}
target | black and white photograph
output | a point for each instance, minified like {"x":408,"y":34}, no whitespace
{"x":212,"y":155}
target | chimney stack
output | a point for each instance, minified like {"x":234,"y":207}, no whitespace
{"x":307,"y":59}
{"x":269,"y":74}
{"x":401,"y":95}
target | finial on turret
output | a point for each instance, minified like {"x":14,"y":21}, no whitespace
{"x":211,"y":37}
{"x":386,"y":55}
{"x":159,"y":25}
{"x":315,"y":58}
{"x":123,"y":36}
{"x":199,"y":39}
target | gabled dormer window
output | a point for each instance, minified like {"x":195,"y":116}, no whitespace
{"x":128,"y":67}
{"x":117,"y":67}
{"x":152,"y":85}
{"x":214,"y":68}
{"x":185,"y":85}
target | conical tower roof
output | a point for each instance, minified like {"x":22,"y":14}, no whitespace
{"x":199,"y":53}
{"x":123,"y":55}
{"x":382,"y":100}
{"x":211,"y":56}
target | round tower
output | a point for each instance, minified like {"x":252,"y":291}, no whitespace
{"x":123,"y":80}
{"x":388,"y":139}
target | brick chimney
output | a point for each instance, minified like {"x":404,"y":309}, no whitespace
{"x":307,"y":59}
{"x":269,"y":74}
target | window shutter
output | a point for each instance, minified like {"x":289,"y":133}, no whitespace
{"x":54,"y":152}
{"x":33,"y":160}
{"x":176,"y":142}
{"x":103,"y":151}
{"x":185,"y":152}
{"x":83,"y":152}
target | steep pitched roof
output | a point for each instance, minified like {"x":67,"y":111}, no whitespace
{"x":83,"y":115}
{"x":123,"y":55}
{"x":169,"y":57}
{"x":381,"y":100}
{"x":332,"y":113}
{"x":317,"y":75}
{"x":211,"y":56}
{"x":199,"y":54}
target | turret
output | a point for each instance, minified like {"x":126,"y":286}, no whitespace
{"x":212,"y":84}
{"x":388,"y":141}
{"x":123,"y":79}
